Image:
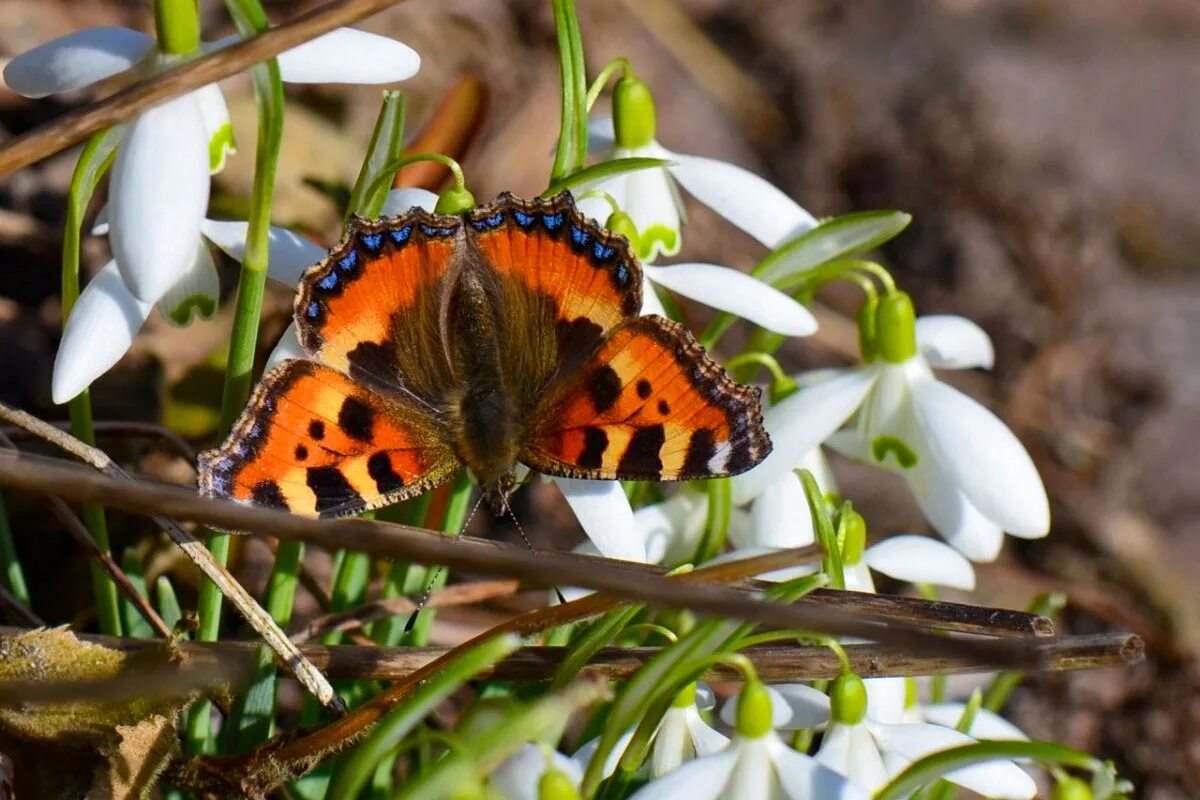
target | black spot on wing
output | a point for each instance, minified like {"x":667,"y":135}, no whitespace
{"x":641,"y":456}
{"x":701,"y":448}
{"x":643,"y":388}
{"x":664,"y":408}
{"x":266,"y":493}
{"x":595,"y":442}
{"x":316,"y":429}
{"x":331,"y":488}
{"x":356,"y":419}
{"x":374,"y":364}
{"x":379,"y":467}
{"x":604,"y":388}
{"x":301,"y":452}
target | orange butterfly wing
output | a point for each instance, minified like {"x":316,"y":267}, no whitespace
{"x":649,"y":405}
{"x":315,"y":442}
{"x":370,"y":309}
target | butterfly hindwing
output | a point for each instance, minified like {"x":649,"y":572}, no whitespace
{"x":649,"y":405}
{"x":370,"y":309}
{"x":315,"y":442}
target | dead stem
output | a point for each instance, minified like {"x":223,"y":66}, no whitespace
{"x":75,"y":126}
{"x":308,"y":675}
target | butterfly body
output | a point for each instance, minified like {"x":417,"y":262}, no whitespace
{"x":507,"y":334}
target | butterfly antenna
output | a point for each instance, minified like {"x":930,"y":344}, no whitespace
{"x":517,"y":523}
{"x":437,"y":572}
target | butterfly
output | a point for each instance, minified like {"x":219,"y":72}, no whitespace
{"x":510,"y":333}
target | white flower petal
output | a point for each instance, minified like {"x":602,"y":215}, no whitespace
{"x":743,"y":198}
{"x":800,"y":423}
{"x":780,"y":517}
{"x":807,"y":707}
{"x":287,"y":347}
{"x":346,"y":55}
{"x":989,"y":463}
{"x":400,"y":200}
{"x":671,"y":529}
{"x":216,"y":124}
{"x":705,"y":738}
{"x":606,"y":516}
{"x":288,"y":254}
{"x":76,"y":60}
{"x":158,"y":196}
{"x":587,"y":751}
{"x":100,"y":223}
{"x":954,"y":517}
{"x":196,"y":293}
{"x":804,"y":778}
{"x":952,"y":342}
{"x":651,"y":304}
{"x":649,"y":198}
{"x":738,"y":293}
{"x":702,"y":779}
{"x":517,"y":778}
{"x":673,"y":745}
{"x":851,"y":751}
{"x":919,"y":559}
{"x":999,"y":779}
{"x":985,"y":724}
{"x":858,"y":577}
{"x":780,"y":712}
{"x":885,"y":699}
{"x":754,"y":773}
{"x":100,"y":329}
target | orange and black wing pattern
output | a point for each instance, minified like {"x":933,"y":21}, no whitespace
{"x":571,"y":281}
{"x":649,"y":405}
{"x":314,"y":442}
{"x":370,"y":309}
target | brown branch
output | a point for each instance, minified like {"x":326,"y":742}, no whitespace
{"x":774,"y":663}
{"x":119,"y":482}
{"x":49,"y":476}
{"x":19,"y":609}
{"x":75,"y":126}
{"x":958,"y":617}
{"x":353,"y":618}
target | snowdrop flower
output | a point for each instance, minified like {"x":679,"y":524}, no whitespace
{"x":651,"y":198}
{"x":971,"y":476}
{"x":871,"y":751}
{"x":535,"y":773}
{"x":159,"y":188}
{"x":755,"y":764}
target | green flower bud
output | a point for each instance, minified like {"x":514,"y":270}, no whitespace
{"x":686,"y":697}
{"x":633,"y":113}
{"x":866,"y":329}
{"x":754,"y":715}
{"x":896,"y":328}
{"x":848,"y":699}
{"x":1071,"y":789}
{"x":622,"y":223}
{"x":556,"y":785}
{"x":454,"y":200}
{"x":854,"y":536}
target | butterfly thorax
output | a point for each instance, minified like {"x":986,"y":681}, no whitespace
{"x":489,"y":431}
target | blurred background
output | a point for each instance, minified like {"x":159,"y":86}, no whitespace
{"x":1049,"y":151}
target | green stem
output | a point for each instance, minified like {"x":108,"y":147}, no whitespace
{"x":571,"y":151}
{"x":384,"y":176}
{"x":716,"y":525}
{"x":761,"y":359}
{"x":10,"y":563}
{"x":610,"y":69}
{"x":94,"y":161}
{"x":823,"y":526}
{"x":250,"y":19}
{"x":177,"y":24}
{"x":452,"y":523}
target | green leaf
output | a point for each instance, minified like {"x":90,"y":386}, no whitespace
{"x":935,"y":765}
{"x":132,"y":621}
{"x":605,"y":169}
{"x":387,"y":139}
{"x":356,"y":770}
{"x":571,"y":151}
{"x":835,"y":238}
{"x":167,"y":602}
{"x":596,"y":636}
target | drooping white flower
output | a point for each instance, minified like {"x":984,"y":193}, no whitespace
{"x":518,"y":778}
{"x":865,"y":741}
{"x":651,"y":197}
{"x":756,"y":763}
{"x":158,"y":194}
{"x":971,"y":476}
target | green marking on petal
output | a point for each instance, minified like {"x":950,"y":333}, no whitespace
{"x":220,"y":145}
{"x":202,"y":305}
{"x":666,"y":238}
{"x":881,"y":446}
